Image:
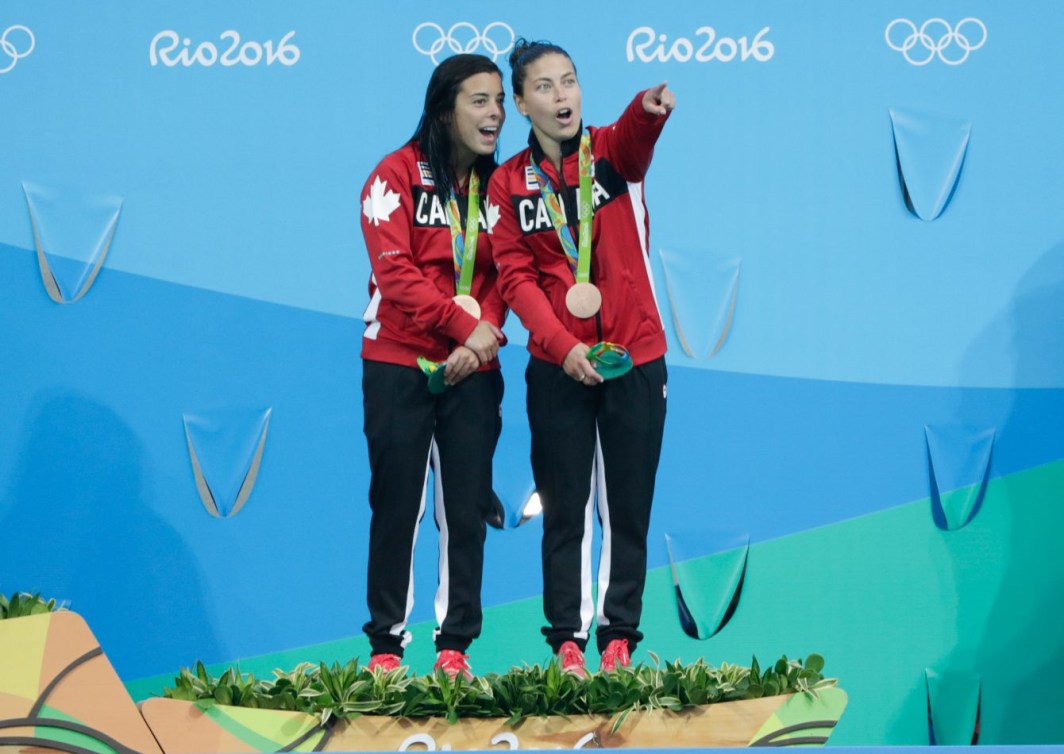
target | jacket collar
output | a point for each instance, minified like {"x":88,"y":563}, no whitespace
{"x":569,"y":147}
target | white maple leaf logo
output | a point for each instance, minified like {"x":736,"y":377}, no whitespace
{"x":492,"y":214}
{"x":380,"y":202}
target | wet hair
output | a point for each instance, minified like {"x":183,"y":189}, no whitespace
{"x":433,"y":133}
{"x":524,"y":54}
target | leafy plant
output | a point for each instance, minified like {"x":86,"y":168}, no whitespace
{"x":345,"y":691}
{"x":532,"y":690}
{"x":22,"y":604}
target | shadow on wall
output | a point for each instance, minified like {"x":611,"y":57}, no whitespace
{"x":1019,"y":647}
{"x":1029,"y":333}
{"x":77,"y":519}
{"x":1007,"y":570}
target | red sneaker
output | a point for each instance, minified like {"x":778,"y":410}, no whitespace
{"x":572,"y":659}
{"x":453,"y":662}
{"x":615,"y":655}
{"x":383,"y":662}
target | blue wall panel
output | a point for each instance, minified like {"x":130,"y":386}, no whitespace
{"x":236,"y":279}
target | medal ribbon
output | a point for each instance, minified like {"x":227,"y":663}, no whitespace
{"x":579,"y":258}
{"x":465,"y":247}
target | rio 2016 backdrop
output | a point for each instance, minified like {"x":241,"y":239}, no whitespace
{"x":858,"y":249}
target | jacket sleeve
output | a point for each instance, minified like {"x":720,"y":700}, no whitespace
{"x":519,"y":279}
{"x":629,"y":143}
{"x":387,"y":222}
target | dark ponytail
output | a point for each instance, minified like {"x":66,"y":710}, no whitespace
{"x":525,"y":53}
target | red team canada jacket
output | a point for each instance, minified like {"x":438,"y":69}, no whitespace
{"x":529,"y":255}
{"x":408,"y":238}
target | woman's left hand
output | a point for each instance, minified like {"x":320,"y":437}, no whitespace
{"x":659,"y":100}
{"x":460,"y":364}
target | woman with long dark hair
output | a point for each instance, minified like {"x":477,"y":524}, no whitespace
{"x":571,"y":249}
{"x":431,"y":383}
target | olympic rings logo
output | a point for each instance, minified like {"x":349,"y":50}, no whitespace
{"x":936,"y":37}
{"x":496,"y":39}
{"x":11,"y":50}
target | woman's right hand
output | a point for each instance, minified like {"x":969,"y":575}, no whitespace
{"x":659,"y":100}
{"x":460,"y":364}
{"x":484,"y":341}
{"x":579,"y":367}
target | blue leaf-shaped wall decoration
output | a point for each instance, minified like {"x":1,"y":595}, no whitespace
{"x":226,"y":447}
{"x":72,"y":230}
{"x":707,"y":588}
{"x":930,"y":151}
{"x":959,"y":467}
{"x":702,"y":291}
{"x":953,"y":707}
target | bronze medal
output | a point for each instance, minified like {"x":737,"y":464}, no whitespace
{"x":583,"y":300}
{"x":468,"y":303}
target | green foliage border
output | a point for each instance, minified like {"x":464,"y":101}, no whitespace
{"x":336,"y":692}
{"x":332,"y":692}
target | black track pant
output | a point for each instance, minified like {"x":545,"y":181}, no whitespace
{"x":595,"y":445}
{"x":409,"y":430}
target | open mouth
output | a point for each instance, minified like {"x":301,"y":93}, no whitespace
{"x":565,"y":115}
{"x":489,"y":132}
